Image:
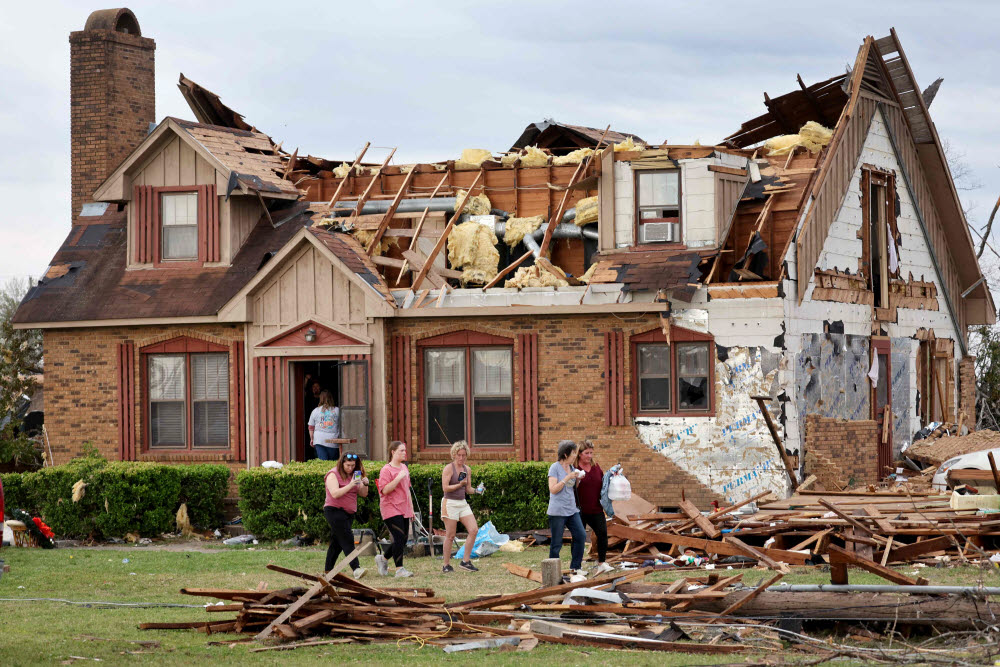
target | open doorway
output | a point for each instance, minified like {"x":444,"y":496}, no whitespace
{"x":348,"y":382}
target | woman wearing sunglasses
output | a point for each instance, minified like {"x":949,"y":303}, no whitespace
{"x":344,"y":483}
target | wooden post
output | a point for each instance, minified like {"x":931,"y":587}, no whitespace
{"x":777,"y":441}
{"x":551,"y":572}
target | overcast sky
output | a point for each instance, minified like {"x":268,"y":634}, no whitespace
{"x":435,"y":77}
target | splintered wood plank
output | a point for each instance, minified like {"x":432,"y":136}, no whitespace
{"x":708,"y":546}
{"x":384,"y":224}
{"x":350,"y":175}
{"x":539,"y":593}
{"x":699,"y":519}
{"x":308,"y":595}
{"x":908,"y":552}
{"x":851,"y":520}
{"x":521,"y":571}
{"x":841,"y":555}
{"x":447,"y":230}
{"x":879,"y":520}
{"x":360,"y":204}
{"x":752,"y":552}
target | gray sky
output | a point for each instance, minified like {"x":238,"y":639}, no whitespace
{"x":434,"y":78}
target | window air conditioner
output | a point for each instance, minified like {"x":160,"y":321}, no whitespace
{"x":659,"y":232}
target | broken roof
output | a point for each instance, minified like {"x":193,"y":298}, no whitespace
{"x":87,"y":280}
{"x":562,"y":137}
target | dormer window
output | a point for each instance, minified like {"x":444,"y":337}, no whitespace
{"x":179,"y":225}
{"x":658,"y":210}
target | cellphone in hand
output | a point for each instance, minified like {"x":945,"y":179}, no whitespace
{"x":357,"y":476}
{"x":461,"y":476}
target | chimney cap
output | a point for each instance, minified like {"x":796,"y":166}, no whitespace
{"x":118,"y":20}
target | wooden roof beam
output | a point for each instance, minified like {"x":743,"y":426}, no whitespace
{"x":350,"y":174}
{"x":814,"y":102}
{"x":447,"y":230}
{"x":371,"y":186}
{"x":384,"y":224}
{"x":778,"y":116}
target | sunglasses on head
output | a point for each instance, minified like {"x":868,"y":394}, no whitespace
{"x":351,"y":457}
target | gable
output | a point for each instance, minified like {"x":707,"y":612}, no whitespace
{"x":322,"y":336}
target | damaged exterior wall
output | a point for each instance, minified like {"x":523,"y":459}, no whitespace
{"x":808,"y":320}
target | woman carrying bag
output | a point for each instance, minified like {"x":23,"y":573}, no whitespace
{"x":344,"y":483}
{"x":588,"y":494}
{"x":563,"y":511}
{"x":396,"y":507}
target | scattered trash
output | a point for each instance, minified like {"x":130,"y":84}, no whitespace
{"x":245,"y":538}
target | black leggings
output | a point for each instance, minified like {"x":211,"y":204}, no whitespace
{"x":341,"y":539}
{"x":600,"y":526}
{"x":399,"y":528}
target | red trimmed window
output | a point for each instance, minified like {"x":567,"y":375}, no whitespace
{"x":467,"y":390}
{"x":673,"y":378}
{"x":187,"y":395}
{"x":176,"y":225}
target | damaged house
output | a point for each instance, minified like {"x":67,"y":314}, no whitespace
{"x":581,"y":284}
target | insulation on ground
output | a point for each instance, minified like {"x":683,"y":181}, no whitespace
{"x":79,"y":489}
{"x":629,"y":144}
{"x":473,"y":158}
{"x":478,"y":205}
{"x":517,"y":228}
{"x":576,"y":157}
{"x":534,"y":276}
{"x":183,"y":521}
{"x":472,"y":247}
{"x":586,"y":211}
{"x":812,"y":136}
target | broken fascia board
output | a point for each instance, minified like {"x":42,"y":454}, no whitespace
{"x":604,"y":294}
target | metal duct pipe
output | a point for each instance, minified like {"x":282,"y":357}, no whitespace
{"x":885,"y":588}
{"x":562,"y":231}
{"x":405,"y":206}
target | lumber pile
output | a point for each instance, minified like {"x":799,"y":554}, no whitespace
{"x":809,"y":528}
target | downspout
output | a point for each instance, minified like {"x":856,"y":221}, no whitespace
{"x":923,"y":229}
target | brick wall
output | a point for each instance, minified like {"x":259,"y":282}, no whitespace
{"x":112,"y":103}
{"x":81,"y":388}
{"x":849,"y":447}
{"x":967,"y":389}
{"x":571,"y":395}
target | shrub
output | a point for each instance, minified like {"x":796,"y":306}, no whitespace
{"x":277,"y":504}
{"x":120,"y":497}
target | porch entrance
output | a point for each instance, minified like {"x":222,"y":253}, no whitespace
{"x":347,"y":380}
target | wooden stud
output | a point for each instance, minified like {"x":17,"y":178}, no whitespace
{"x":447,"y":230}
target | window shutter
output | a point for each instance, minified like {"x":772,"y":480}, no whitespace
{"x":271,"y":409}
{"x":240,"y":399}
{"x":401,"y":387}
{"x":526,"y":352}
{"x":126,"y":401}
{"x":614,"y":378}
{"x":208,"y":224}
{"x":143,"y":215}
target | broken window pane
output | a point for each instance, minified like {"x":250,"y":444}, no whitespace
{"x":692,"y":376}
{"x":654,"y":377}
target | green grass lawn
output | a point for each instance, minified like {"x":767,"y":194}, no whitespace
{"x":52,"y":632}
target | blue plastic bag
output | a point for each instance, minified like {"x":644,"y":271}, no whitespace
{"x":488,"y":540}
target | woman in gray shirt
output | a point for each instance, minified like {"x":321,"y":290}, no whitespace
{"x":563,"y":511}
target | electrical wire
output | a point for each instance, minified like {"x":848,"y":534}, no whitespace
{"x":100,"y":603}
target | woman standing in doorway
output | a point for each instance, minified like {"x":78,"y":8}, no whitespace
{"x":324,"y":426}
{"x":588,"y":493}
{"x":344,"y":483}
{"x":396,"y":507}
{"x":563,"y":511}
{"x":456,"y":482}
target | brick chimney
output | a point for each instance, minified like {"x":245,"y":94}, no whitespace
{"x":112,"y":97}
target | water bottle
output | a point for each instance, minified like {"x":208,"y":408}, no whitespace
{"x":481,"y":489}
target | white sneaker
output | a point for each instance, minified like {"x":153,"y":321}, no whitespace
{"x":382,"y":565}
{"x":360,"y":572}
{"x":602,"y":568}
{"x":576,"y":578}
{"x":403,"y":572}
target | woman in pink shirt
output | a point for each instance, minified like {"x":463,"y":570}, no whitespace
{"x":396,"y":506}
{"x":344,"y":483}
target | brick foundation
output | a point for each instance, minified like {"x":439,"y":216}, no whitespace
{"x":843,"y":451}
{"x":570,"y":396}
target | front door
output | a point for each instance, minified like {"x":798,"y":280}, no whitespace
{"x":354,"y":406}
{"x":882,"y":406}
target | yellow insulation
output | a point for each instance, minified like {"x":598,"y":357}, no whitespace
{"x":534,"y":276}
{"x":365,"y":236}
{"x":531,"y":157}
{"x":343,"y":170}
{"x":812,"y":136}
{"x":576,"y":157}
{"x":629,"y":144}
{"x":588,"y":274}
{"x":517,"y":228}
{"x":478,"y":205}
{"x":586,"y":211}
{"x":472,"y":247}
{"x":473,"y":158}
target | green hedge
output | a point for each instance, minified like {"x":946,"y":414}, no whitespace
{"x":277,"y":504}
{"x":121,"y":497}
